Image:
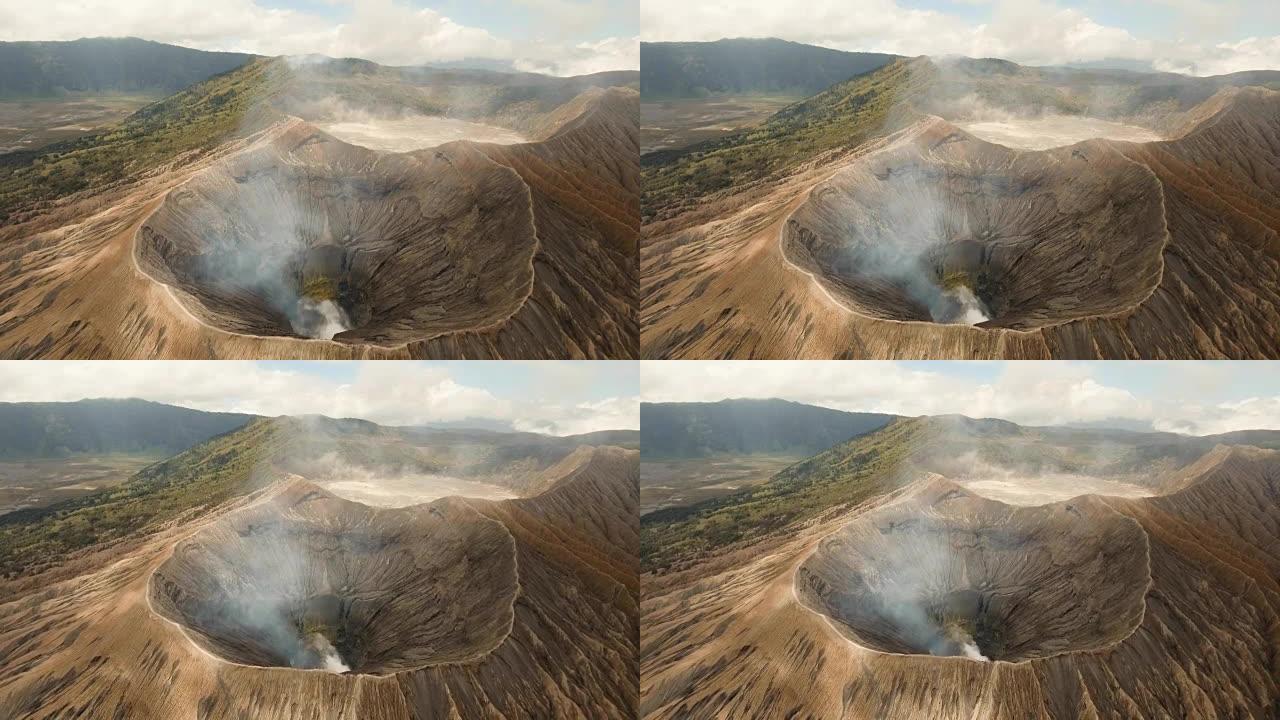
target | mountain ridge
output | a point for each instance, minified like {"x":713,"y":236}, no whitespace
{"x":106,"y":65}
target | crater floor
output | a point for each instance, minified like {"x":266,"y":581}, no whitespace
{"x":1051,"y":131}
{"x":415,"y":132}
{"x":946,"y":229}
{"x":288,"y":583}
{"x":311,"y":237}
{"x":947,"y":573}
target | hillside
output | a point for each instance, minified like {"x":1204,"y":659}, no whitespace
{"x":746,"y":66}
{"x":33,"y":541}
{"x":189,"y":123}
{"x":841,"y":117}
{"x":106,"y":65}
{"x":50,"y":430}
{"x":746,"y":427}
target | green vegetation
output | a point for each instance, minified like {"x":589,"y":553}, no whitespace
{"x":202,"y":477}
{"x":843,"y":476}
{"x":839,"y":118}
{"x":195,"y":120}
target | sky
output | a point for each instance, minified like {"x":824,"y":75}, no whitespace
{"x":1198,"y":37}
{"x":1196,"y":398}
{"x":559,"y":37}
{"x":571,"y":397}
{"x":557,"y":398}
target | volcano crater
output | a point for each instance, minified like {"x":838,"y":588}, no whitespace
{"x":960,"y":575}
{"x":306,"y":236}
{"x":945,"y":228}
{"x":315,"y":582}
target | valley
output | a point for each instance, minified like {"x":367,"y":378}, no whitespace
{"x":40,"y":482}
{"x":30,"y":124}
{"x":674,"y":483}
{"x":679,"y":123}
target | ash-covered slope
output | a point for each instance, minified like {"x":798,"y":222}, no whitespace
{"x":927,"y":600}
{"x":289,"y":602}
{"x":929,"y":242}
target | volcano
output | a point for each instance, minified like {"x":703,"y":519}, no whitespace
{"x":867,"y":222}
{"x":241,"y":589}
{"x":234,"y":225}
{"x":861,"y":584}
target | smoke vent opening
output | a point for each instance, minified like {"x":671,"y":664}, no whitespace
{"x":313,"y":582}
{"x":313,"y":238}
{"x":981,"y":580}
{"x":975,"y":234}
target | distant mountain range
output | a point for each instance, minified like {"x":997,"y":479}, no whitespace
{"x":747,"y":427}
{"x":48,"y":430}
{"x":106,"y":65}
{"x":757,"y":66}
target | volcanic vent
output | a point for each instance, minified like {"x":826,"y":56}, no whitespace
{"x":941,"y":227}
{"x":307,"y":236}
{"x":947,"y":573}
{"x":312,"y":581}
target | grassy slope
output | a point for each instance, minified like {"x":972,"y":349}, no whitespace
{"x":202,"y":477}
{"x":843,"y":476}
{"x":841,"y":117}
{"x":197,"y":119}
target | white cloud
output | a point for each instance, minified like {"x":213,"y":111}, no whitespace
{"x":1028,"y":393}
{"x":391,"y":32}
{"x":389,"y":393}
{"x":1035,"y":32}
{"x":1259,"y":413}
{"x":587,"y":57}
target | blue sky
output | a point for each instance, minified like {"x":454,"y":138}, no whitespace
{"x":1188,"y":397}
